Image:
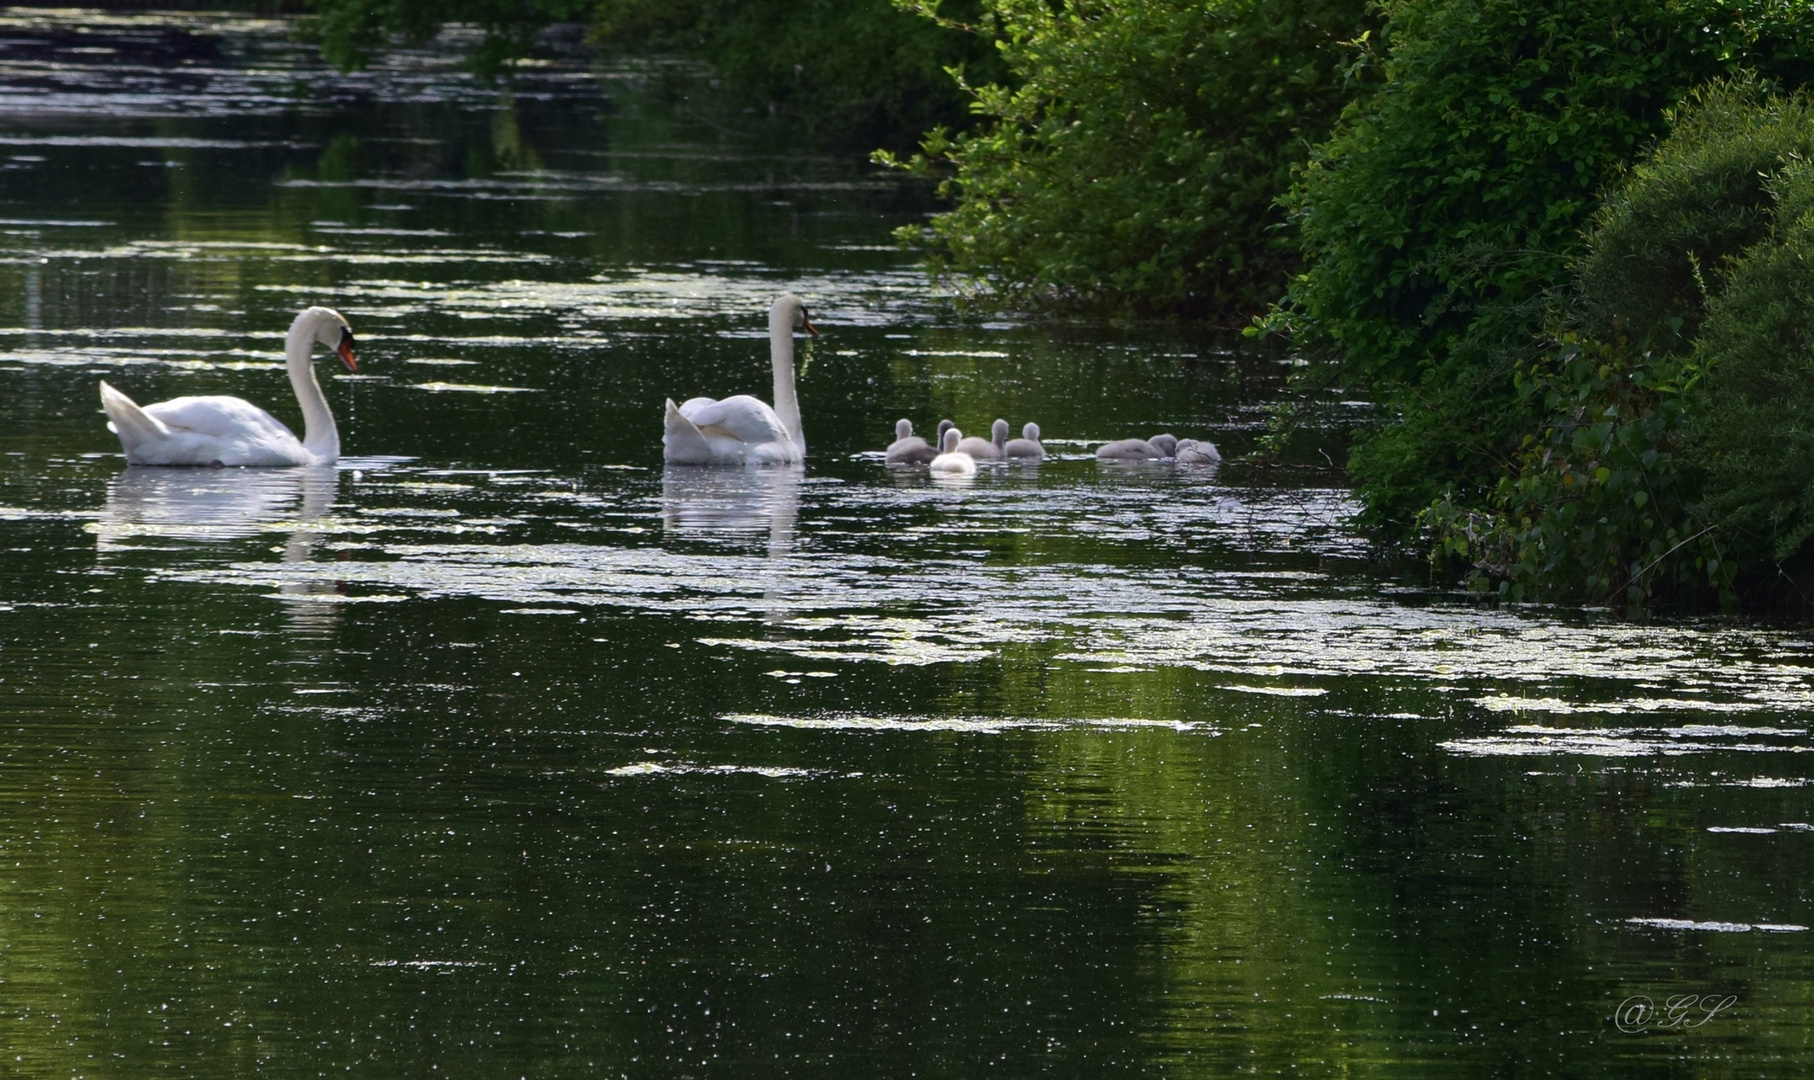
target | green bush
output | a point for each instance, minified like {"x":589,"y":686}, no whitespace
{"x":1665,"y":238}
{"x":1756,"y":426}
{"x":1137,"y":163}
{"x":1674,"y":457}
{"x":1602,"y":503}
{"x":1450,"y":202}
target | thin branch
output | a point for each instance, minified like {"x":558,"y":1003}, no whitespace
{"x":1666,"y":554}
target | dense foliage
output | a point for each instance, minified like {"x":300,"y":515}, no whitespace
{"x":1138,"y":161}
{"x":1602,"y":502}
{"x":1756,"y":427}
{"x":839,"y":72}
{"x":1446,"y":208}
{"x":1674,"y":456}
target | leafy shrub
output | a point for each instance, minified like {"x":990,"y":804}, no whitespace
{"x":1665,"y":238}
{"x":1756,"y":427}
{"x":1672,"y":457}
{"x":1449,"y":203}
{"x":1138,"y":162}
{"x":1601,"y":504}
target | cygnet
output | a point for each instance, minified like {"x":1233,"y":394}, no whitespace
{"x":1027,"y":447}
{"x":991,"y":449}
{"x":908,"y":448}
{"x":1197,"y":452}
{"x":954,"y":462}
{"x":1135,"y":449}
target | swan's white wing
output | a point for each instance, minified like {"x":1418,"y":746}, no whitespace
{"x":742,"y":418}
{"x":681,"y":442}
{"x":128,"y":421}
{"x":220,"y":430}
{"x":219,"y":416}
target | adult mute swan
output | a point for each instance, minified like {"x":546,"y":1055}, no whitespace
{"x":908,"y":448}
{"x":952,"y":461}
{"x":1028,"y":446}
{"x":218,"y":430}
{"x":990,"y":449}
{"x":741,"y":430}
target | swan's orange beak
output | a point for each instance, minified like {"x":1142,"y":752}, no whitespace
{"x":810,"y":328}
{"x":345,"y":349}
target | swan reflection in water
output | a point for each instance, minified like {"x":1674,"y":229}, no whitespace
{"x":735,"y":506}
{"x":219,"y":505}
{"x":733,"y":501}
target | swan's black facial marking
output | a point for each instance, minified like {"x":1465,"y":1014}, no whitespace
{"x":345,"y":348}
{"x":806,"y":322}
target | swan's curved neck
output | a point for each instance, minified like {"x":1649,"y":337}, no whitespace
{"x":781,"y":352}
{"x":319,"y":436}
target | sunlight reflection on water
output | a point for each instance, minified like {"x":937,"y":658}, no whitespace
{"x":844,"y":591}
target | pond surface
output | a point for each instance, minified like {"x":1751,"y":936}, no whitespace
{"x":499,"y":751}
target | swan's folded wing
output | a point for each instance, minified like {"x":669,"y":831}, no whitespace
{"x":125,"y":419}
{"x":742,"y":418}
{"x":681,"y":442}
{"x":220,"y":417}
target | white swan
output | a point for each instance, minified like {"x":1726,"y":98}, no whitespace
{"x":741,"y":430}
{"x":908,"y":448}
{"x":1197,"y":452}
{"x":217,"y":430}
{"x":990,"y":449}
{"x":1028,"y":446}
{"x":953,"y":462}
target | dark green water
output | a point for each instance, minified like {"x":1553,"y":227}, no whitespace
{"x":498,"y":752}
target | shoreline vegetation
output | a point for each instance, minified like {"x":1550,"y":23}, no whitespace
{"x":1566,"y":247}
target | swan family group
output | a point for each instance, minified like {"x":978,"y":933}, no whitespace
{"x":957,"y":455}
{"x":739,"y":430}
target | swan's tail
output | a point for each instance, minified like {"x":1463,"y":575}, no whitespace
{"x":133,"y":425}
{"x":681,"y":442}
